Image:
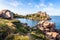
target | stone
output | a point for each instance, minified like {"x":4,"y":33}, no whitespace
{"x":48,"y":28}
{"x":48,"y":24}
{"x":52,"y":34}
{"x":58,"y":37}
{"x":41,"y":28}
{"x":6,"y":14}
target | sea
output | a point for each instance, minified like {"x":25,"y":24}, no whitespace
{"x":32,"y":23}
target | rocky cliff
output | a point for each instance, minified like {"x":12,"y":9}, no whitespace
{"x":6,"y":14}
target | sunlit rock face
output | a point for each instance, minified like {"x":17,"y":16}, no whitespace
{"x":46,"y":25}
{"x":48,"y":28}
{"x":44,"y":15}
{"x":52,"y":34}
{"x":6,"y":14}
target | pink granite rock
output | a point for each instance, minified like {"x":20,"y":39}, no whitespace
{"x":6,"y":14}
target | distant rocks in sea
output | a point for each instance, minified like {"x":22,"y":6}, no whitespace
{"x":6,"y":14}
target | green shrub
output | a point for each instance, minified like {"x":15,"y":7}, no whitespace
{"x":17,"y":37}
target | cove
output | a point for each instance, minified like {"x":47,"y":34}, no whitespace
{"x":32,"y":23}
{"x":29,"y":22}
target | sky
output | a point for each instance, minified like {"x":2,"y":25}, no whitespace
{"x":24,"y":7}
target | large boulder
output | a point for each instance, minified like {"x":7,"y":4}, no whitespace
{"x":52,"y":34}
{"x":49,"y":29}
{"x":6,"y":14}
{"x":46,"y":25}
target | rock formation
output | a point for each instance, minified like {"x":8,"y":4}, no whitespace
{"x":44,"y":15}
{"x":38,"y":16}
{"x":48,"y":28}
{"x":6,"y":14}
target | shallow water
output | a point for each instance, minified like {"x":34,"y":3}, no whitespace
{"x":30,"y":23}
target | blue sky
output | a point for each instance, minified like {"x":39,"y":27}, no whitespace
{"x":23,"y":7}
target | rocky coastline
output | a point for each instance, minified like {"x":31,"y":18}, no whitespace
{"x":43,"y":30}
{"x":49,"y":29}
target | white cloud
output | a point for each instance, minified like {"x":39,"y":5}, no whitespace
{"x":42,"y":1}
{"x":37,"y":6}
{"x":48,"y":8}
{"x":29,"y":3}
{"x":52,"y":11}
{"x":50,"y":4}
{"x":15,"y":3}
{"x":42,"y":5}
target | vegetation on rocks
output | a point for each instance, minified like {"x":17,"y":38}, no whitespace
{"x":35,"y":16}
{"x":18,"y":16}
{"x":14,"y":30}
{"x":38,"y":16}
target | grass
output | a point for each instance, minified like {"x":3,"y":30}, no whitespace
{"x":13,"y":27}
{"x":17,"y":37}
{"x":37,"y":34}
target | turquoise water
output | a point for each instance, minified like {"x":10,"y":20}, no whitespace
{"x":32,"y":23}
